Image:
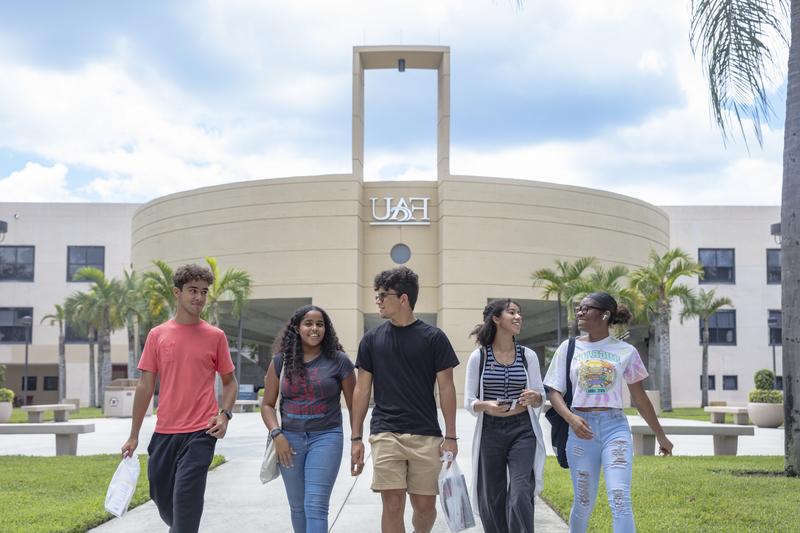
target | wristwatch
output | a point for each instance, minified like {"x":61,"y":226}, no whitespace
{"x":275,"y":432}
{"x":226,"y":412}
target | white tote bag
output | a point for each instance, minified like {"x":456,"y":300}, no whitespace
{"x":269,"y":465}
{"x":122,"y":486}
{"x":454,"y":496}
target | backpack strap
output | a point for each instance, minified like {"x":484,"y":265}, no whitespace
{"x":570,"y":353}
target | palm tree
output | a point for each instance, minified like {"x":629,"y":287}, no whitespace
{"x":658,"y":280}
{"x":562,"y":282}
{"x":731,"y":38}
{"x":104,"y":296}
{"x":81,"y":314}
{"x":132,"y":306}
{"x":234,"y":284}
{"x":59,"y":318}
{"x":158,"y":290}
{"x":703,"y":305}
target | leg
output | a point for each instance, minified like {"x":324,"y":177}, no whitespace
{"x":190,"y":481}
{"x":492,"y":483}
{"x":584,"y":462}
{"x":618,"y":469}
{"x":294,"y":479}
{"x":521,"y":478}
{"x":394,"y":505}
{"x":726,"y":444}
{"x":424,"y":466}
{"x":161,"y":464}
{"x":323,"y":458}
{"x":424,"y":516}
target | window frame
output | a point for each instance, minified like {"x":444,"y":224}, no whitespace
{"x":778,"y":282}
{"x":26,"y":311}
{"x":705,"y":280}
{"x":770,"y":329}
{"x":33,"y":263}
{"x":712,"y":382}
{"x":102,"y":267}
{"x":735,"y":381}
{"x":711,"y":330}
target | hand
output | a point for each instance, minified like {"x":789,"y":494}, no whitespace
{"x":664,"y":445}
{"x":284,"y":451}
{"x":581,"y":428}
{"x":449,"y":445}
{"x":491,"y":407}
{"x":218,"y":426}
{"x":530,"y":397}
{"x":129,"y":446}
{"x":356,"y":457}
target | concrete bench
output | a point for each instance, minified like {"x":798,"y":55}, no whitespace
{"x":726,"y":436}
{"x":246,"y":405}
{"x":60,"y":411}
{"x":66,"y":433}
{"x":718,"y":414}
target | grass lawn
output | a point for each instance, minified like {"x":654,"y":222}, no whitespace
{"x":18,"y":415}
{"x":61,"y":494}
{"x":687,"y":494}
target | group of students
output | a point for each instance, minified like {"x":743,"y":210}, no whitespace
{"x":401,"y":362}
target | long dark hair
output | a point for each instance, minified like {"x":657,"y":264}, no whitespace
{"x":486,"y":331}
{"x":289,"y":345}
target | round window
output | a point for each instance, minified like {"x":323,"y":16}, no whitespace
{"x":400,"y":254}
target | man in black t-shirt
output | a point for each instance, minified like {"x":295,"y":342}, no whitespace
{"x":403,"y":358}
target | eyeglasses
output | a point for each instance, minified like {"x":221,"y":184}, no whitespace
{"x":381,"y":296}
{"x":585,"y":308}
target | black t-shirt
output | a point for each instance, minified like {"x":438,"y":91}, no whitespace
{"x":312,"y":403}
{"x":404,"y":362}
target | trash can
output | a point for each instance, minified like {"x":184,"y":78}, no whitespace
{"x":119,"y":398}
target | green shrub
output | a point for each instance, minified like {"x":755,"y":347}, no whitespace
{"x":6,"y":395}
{"x":260,"y":393}
{"x":764,"y":379}
{"x":2,"y":376}
{"x":765,"y":396}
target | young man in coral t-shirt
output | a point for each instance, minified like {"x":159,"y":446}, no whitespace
{"x":186,"y":353}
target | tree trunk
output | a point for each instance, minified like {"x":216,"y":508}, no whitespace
{"x":62,"y":365}
{"x":131,"y":346}
{"x":662,"y":332}
{"x":790,"y":252}
{"x":704,"y":383}
{"x":558,"y":319}
{"x":92,"y":382}
{"x":652,"y":358}
{"x":105,"y":366}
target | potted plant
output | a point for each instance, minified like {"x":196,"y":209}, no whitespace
{"x":6,"y":399}
{"x":765,"y":406}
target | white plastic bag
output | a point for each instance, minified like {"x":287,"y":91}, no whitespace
{"x":454,"y":496}
{"x":122,"y":486}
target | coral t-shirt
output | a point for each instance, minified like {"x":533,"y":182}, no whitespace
{"x":598,"y":370}
{"x":186,"y":358}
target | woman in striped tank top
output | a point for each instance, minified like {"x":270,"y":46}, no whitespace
{"x":504,"y":391}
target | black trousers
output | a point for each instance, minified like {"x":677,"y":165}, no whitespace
{"x":505,"y":474}
{"x":177,"y":469}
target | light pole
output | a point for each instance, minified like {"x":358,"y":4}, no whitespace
{"x":26,"y":321}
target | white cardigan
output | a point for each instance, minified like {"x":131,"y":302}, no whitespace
{"x":471,"y":388}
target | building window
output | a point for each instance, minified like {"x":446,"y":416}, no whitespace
{"x":85,"y":256}
{"x":400,"y":253}
{"x":779,"y":382}
{"x":50,"y":383}
{"x":31,"y":383}
{"x":730,"y":382}
{"x":12,"y":330}
{"x":773,"y":266}
{"x":718,"y":265}
{"x":775,"y":324}
{"x":712,"y":382}
{"x":721,"y":328}
{"x":73,"y":335}
{"x":16,"y":263}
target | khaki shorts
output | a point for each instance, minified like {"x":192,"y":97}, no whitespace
{"x":405,"y":461}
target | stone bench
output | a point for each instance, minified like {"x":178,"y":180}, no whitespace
{"x":249,"y":406}
{"x":66,"y":433}
{"x":726,"y":436}
{"x":718,"y":414}
{"x":60,"y":411}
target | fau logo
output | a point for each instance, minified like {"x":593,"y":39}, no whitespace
{"x":408,"y":212}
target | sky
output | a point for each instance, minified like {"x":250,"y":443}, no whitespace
{"x":128,"y":101}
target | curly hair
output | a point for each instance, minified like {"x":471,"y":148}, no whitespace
{"x":289,"y":345}
{"x":401,"y":279}
{"x":486,"y":331}
{"x":187,"y":273}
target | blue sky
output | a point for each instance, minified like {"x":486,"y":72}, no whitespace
{"x":127,"y":101}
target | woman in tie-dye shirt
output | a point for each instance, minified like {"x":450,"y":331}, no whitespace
{"x":599,"y":434}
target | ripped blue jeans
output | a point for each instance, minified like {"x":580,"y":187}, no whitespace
{"x":612,"y":448}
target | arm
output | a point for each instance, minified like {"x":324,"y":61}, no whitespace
{"x":218,"y":425}
{"x":533,"y":395}
{"x":361,"y":395}
{"x":348,"y":387}
{"x":645,"y":408}
{"x":141,"y":401}
{"x":577,"y":423}
{"x":269,"y":415}
{"x":471,"y":381}
{"x":447,"y":401}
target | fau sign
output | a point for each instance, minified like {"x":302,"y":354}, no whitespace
{"x":402,"y":212}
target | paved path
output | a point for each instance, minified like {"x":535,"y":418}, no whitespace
{"x":237,"y":501}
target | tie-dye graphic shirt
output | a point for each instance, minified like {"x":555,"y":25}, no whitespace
{"x":597,"y":373}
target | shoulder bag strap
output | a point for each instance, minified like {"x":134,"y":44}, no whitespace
{"x":480,"y":372}
{"x":570,"y":353}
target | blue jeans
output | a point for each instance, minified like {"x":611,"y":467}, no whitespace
{"x":612,"y":448}
{"x":309,"y":482}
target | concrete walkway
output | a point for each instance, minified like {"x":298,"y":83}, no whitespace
{"x":237,"y":501}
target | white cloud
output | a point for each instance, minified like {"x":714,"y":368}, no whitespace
{"x":37,"y":183}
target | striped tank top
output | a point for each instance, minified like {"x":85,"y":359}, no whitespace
{"x":501,"y":381}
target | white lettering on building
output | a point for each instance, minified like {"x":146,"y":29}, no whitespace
{"x":412,"y":211}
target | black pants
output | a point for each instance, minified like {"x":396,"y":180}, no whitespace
{"x":177,"y":468}
{"x":505,"y":474}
